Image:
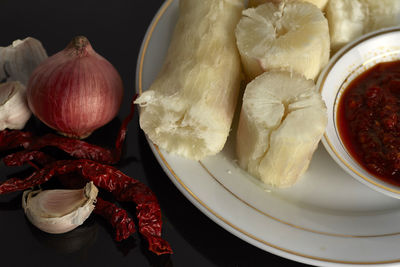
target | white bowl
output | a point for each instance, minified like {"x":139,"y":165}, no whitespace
{"x":344,"y":66}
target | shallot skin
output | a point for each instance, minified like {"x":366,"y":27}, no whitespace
{"x":75,"y":91}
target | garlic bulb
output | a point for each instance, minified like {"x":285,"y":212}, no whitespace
{"x":18,"y":60}
{"x":14,"y":110}
{"x":59,"y":211}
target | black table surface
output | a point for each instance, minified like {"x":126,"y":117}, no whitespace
{"x":116,"y":29}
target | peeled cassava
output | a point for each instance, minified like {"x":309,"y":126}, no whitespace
{"x":286,"y":35}
{"x":189,"y":108}
{"x":281,"y":123}
{"x":349,"y":19}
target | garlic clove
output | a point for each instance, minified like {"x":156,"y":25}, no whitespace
{"x":14,"y":110}
{"x":18,"y":60}
{"x":59,"y":211}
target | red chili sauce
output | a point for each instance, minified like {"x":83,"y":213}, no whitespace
{"x":368,"y":120}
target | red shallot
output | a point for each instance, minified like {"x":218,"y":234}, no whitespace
{"x":75,"y":91}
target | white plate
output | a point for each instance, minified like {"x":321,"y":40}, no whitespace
{"x":327,"y":218}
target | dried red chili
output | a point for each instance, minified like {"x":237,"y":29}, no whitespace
{"x":123,"y":187}
{"x":123,"y":129}
{"x":74,"y":147}
{"x":21,"y":157}
{"x":117,"y":217}
{"x":13,"y":139}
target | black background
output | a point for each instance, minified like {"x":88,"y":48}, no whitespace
{"x":116,"y":29}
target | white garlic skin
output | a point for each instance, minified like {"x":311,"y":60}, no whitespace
{"x":18,"y":60}
{"x":14,"y":110}
{"x":59,"y":211}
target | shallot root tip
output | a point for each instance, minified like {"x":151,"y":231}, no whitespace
{"x":80,"y":41}
{"x":80,"y":44}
